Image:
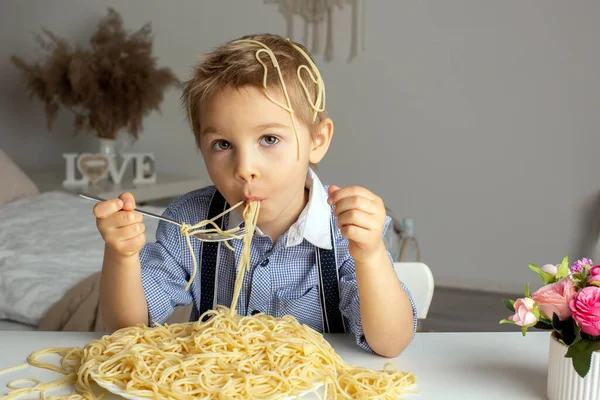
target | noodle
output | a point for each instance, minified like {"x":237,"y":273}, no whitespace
{"x":189,"y":230}
{"x":252,"y":357}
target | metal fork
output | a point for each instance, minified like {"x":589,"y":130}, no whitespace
{"x":205,"y":237}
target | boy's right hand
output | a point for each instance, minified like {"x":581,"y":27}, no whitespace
{"x":121,"y":228}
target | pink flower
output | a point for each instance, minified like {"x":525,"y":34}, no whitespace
{"x":524,"y":315}
{"x":594,"y":274}
{"x":585,"y":307}
{"x":555,"y":298}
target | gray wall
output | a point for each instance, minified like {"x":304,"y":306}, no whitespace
{"x":477,"y":118}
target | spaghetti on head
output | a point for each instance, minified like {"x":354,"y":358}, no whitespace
{"x":269,"y":62}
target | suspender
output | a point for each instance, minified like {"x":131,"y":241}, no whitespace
{"x":329,"y":292}
{"x":210,"y":261}
{"x":328,"y":278}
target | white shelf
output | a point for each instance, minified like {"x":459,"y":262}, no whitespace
{"x":167,"y":185}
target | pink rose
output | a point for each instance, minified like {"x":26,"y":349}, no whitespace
{"x":585,"y":307}
{"x":555,"y":298}
{"x":524,"y":315}
{"x":594,"y":274}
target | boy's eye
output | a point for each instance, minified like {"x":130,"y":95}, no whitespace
{"x":269,"y":140}
{"x":220,"y":145}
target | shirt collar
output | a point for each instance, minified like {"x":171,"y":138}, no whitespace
{"x":313,"y":224}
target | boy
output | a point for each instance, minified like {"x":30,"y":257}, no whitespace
{"x":256,"y":107}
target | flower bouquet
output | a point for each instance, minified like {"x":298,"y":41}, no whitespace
{"x":568,"y":305}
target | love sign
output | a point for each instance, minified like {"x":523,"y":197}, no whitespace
{"x":93,"y":168}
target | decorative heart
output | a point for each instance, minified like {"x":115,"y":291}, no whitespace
{"x":94,"y":166}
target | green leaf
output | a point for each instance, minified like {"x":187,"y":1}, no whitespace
{"x":597,"y":283}
{"x":563,"y":269}
{"x":576,"y":333}
{"x":546,"y":277}
{"x":527,"y":290}
{"x":506,"y":321}
{"x":581,"y":354}
{"x":509,"y":304}
{"x":582,"y":275}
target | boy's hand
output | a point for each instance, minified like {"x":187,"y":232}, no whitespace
{"x":361,"y":218}
{"x":120,"y":227}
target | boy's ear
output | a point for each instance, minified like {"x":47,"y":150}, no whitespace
{"x":321,"y":141}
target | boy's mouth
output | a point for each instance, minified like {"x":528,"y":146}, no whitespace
{"x":248,"y":199}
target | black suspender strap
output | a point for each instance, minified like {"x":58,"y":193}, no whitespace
{"x":329,"y":291}
{"x":209,"y":260}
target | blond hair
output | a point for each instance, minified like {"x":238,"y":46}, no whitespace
{"x":266,"y":61}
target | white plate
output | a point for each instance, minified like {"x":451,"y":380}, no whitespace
{"x":114,"y":389}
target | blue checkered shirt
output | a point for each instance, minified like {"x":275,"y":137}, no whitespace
{"x":280,"y":280}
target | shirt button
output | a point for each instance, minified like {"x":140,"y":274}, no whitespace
{"x":254,"y":312}
{"x":265,"y":263}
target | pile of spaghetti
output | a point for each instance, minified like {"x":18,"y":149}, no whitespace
{"x":254,"y":357}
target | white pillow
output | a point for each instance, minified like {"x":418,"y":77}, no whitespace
{"x":14,"y":183}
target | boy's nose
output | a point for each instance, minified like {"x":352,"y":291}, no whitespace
{"x":246,"y":177}
{"x":246,"y":170}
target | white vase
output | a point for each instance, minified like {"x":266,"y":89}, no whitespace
{"x":107,"y":147}
{"x":563,"y":381}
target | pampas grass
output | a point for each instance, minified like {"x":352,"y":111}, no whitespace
{"x":111,"y":86}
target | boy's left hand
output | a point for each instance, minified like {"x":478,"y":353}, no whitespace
{"x":361,"y":218}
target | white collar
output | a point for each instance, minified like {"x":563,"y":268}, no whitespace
{"x":313,"y":224}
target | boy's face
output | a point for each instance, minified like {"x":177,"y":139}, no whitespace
{"x":250,"y":150}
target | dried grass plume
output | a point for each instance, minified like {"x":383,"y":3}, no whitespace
{"x":109,"y":87}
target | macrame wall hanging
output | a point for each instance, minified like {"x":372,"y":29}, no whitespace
{"x":317,"y":13}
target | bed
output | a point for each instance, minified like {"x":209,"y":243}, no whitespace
{"x":48,"y":243}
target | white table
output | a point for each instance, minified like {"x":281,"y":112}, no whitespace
{"x":167,"y":185}
{"x":448,"y":366}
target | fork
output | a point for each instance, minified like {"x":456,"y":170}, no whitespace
{"x":205,"y":237}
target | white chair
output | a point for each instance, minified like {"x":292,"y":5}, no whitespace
{"x":418,"y":279}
